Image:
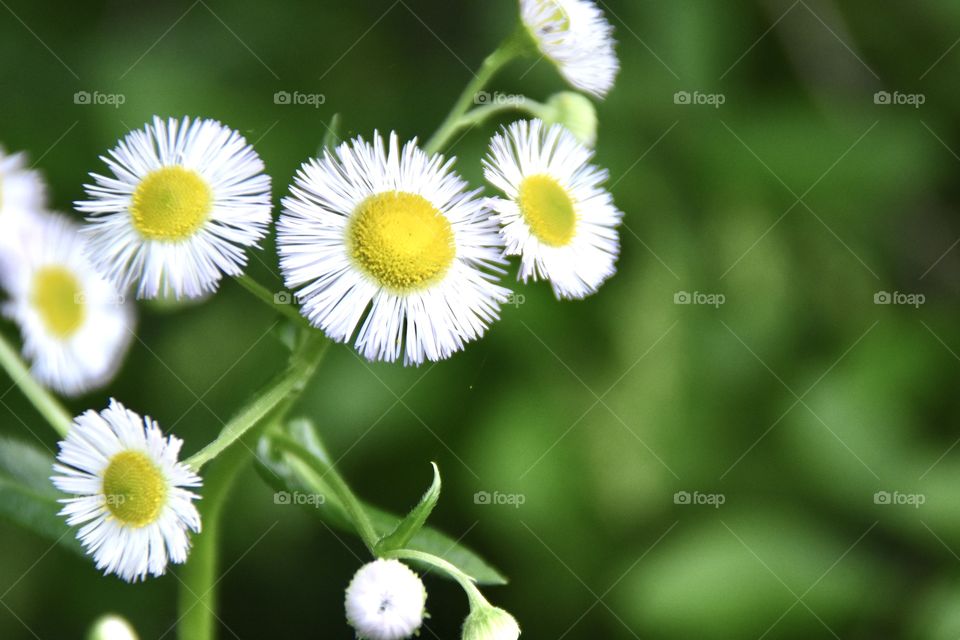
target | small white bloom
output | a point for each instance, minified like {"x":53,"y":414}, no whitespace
{"x":387,"y":243}
{"x":76,"y":326}
{"x":487,"y":622}
{"x":131,"y":501}
{"x":557,"y":216}
{"x":22,"y":193}
{"x":185,"y":199}
{"x":577,"y":37}
{"x":385,"y":601}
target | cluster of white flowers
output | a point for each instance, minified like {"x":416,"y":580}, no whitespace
{"x":384,"y":244}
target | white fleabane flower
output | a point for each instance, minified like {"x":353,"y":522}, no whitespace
{"x":22,"y":193}
{"x":184,"y":201}
{"x":556,"y":216}
{"x":577,"y":37}
{"x":132,"y":498}
{"x":385,"y":601}
{"x":76,"y":326}
{"x":387,"y":243}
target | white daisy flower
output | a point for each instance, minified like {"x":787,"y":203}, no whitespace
{"x":76,"y":326}
{"x":131,"y":492}
{"x":389,"y":240}
{"x":385,"y":601}
{"x":556,"y":216}
{"x":22,"y":192}
{"x":185,"y":199}
{"x":577,"y":38}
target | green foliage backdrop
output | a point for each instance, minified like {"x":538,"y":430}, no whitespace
{"x":793,"y":403}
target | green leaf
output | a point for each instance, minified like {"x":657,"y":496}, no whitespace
{"x":409,"y":526}
{"x":27,"y":497}
{"x":286,"y":473}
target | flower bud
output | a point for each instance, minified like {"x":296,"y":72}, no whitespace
{"x":575,"y":112}
{"x":490,"y":623}
{"x":385,"y":601}
{"x":112,"y":627}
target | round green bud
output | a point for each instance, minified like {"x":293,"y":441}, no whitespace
{"x":490,"y":623}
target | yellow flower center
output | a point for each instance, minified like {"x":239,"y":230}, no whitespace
{"x":58,"y":298}
{"x":135,"y":488}
{"x":548,"y":210}
{"x":171,"y":204}
{"x":401,"y":239}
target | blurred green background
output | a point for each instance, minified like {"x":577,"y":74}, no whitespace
{"x":793,"y":403}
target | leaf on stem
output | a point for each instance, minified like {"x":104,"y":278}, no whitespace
{"x":409,"y":526}
{"x":288,"y":474}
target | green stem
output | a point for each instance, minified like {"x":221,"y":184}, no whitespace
{"x":513,"y":47}
{"x":197,"y":599}
{"x":467,"y":582}
{"x":270,"y":298}
{"x":44,"y":401}
{"x":484,"y":113}
{"x":303,"y":363}
{"x":340,"y":487}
